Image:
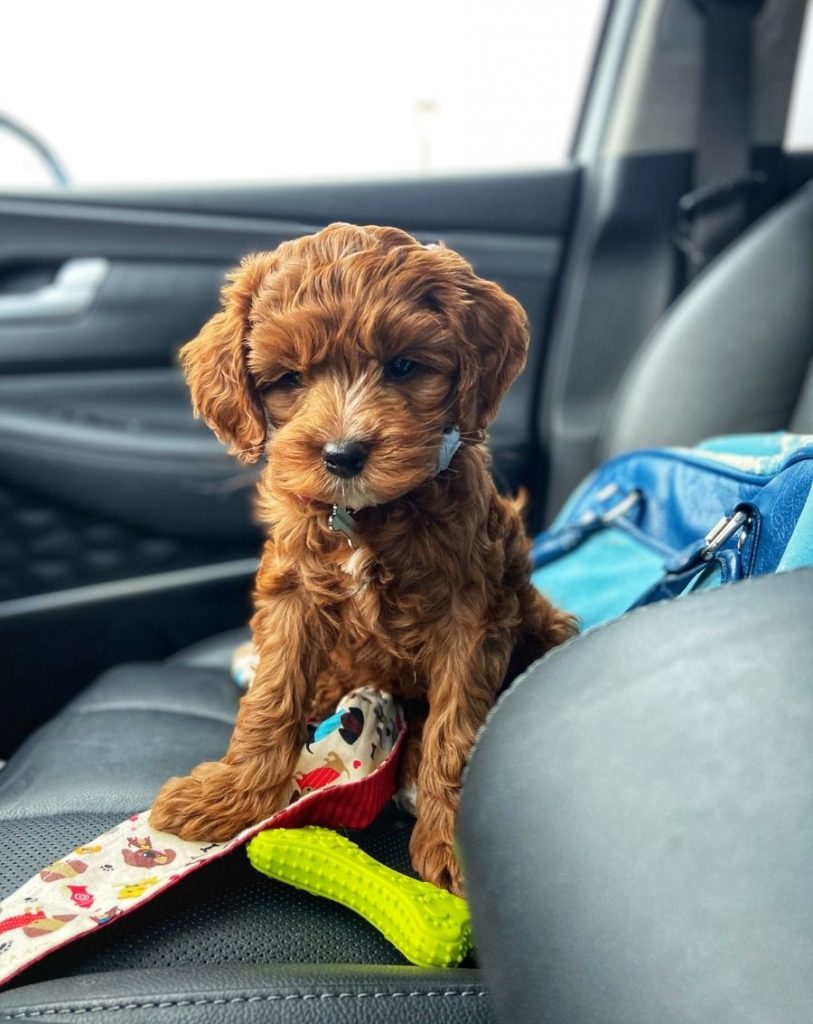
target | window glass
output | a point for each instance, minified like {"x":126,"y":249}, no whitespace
{"x":799,"y":134}
{"x":176,"y":92}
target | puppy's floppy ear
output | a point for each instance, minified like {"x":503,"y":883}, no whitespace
{"x":496,"y":330}
{"x":223,"y":393}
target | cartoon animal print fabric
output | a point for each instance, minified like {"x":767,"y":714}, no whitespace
{"x":345,"y":775}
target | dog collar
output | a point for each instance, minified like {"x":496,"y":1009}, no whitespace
{"x":449,"y":443}
{"x":340,"y":519}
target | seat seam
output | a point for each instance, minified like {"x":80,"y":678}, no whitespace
{"x":114,"y":709}
{"x":154,"y":1004}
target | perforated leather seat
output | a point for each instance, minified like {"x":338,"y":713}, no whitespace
{"x":733,"y":355}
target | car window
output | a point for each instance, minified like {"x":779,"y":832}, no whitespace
{"x":167,"y":94}
{"x":799,"y":134}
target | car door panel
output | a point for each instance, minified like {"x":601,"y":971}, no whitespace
{"x":534,"y":202}
{"x":137,"y":315}
{"x":123,"y":447}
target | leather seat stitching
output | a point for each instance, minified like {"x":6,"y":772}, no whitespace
{"x":226,"y":1001}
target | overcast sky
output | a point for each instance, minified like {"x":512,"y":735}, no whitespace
{"x":178,"y":91}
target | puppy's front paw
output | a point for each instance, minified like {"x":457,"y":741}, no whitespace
{"x":211,"y":804}
{"x":434,"y":859}
{"x":189,"y":809}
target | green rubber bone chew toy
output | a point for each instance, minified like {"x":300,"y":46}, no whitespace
{"x":429,"y":926}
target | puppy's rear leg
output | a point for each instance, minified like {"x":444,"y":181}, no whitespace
{"x":253,"y":779}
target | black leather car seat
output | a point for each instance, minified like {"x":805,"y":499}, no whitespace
{"x":733,"y":354}
{"x":660,"y":867}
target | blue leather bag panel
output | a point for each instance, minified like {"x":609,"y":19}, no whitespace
{"x":641,"y":528}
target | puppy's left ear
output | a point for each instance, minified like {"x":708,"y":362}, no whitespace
{"x":223,"y":392}
{"x":497,"y":337}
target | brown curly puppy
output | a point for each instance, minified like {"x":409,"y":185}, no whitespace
{"x":353,"y":357}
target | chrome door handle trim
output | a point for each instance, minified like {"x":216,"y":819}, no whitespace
{"x":72,"y":292}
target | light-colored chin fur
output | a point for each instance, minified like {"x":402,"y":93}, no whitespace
{"x":351,"y":498}
{"x":344,"y":493}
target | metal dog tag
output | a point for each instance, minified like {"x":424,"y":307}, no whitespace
{"x":341,"y":521}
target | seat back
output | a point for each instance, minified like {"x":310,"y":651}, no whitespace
{"x":636,"y":824}
{"x":733,"y":354}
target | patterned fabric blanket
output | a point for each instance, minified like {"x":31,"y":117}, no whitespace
{"x":345,"y":775}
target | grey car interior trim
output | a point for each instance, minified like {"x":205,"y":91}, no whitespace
{"x":72,"y":229}
{"x":124,"y":446}
{"x":535,"y":202}
{"x":88,"y":630}
{"x":622,"y":234}
{"x":72,"y":292}
{"x":745,"y":321}
{"x":607,"y":73}
{"x":101,"y":593}
{"x":658,"y":97}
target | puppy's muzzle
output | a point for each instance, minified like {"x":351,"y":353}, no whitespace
{"x":345,"y":458}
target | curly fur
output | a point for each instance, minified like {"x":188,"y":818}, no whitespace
{"x":436,"y":598}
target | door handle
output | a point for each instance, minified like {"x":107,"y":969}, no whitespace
{"x":71,"y":292}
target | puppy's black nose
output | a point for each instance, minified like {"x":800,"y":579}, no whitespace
{"x":345,"y":458}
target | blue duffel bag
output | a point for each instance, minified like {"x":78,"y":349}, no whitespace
{"x":658,"y":523}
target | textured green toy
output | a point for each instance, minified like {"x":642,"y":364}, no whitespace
{"x":429,"y":926}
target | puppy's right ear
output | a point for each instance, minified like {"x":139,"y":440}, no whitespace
{"x":223,"y":392}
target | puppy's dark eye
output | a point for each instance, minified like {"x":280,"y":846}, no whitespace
{"x":291,"y":379}
{"x":400,"y":369}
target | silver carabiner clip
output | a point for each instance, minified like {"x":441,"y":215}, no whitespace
{"x":722,"y":531}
